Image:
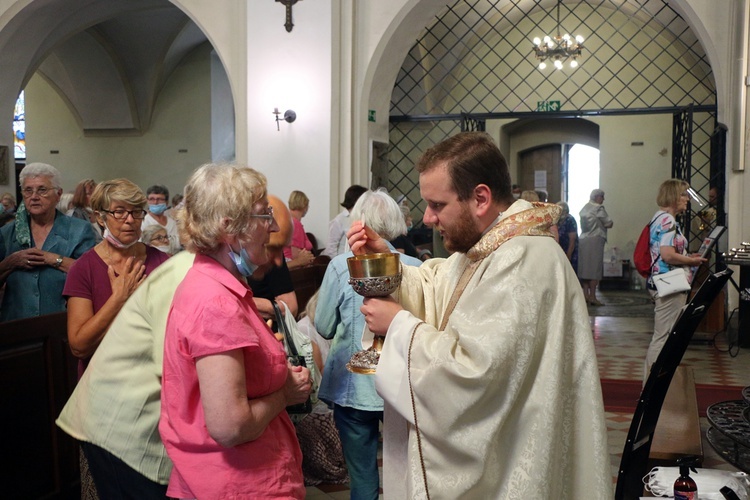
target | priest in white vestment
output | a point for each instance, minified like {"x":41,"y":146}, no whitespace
{"x":488,"y":372}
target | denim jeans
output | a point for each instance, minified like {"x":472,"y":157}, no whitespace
{"x":359,"y":434}
{"x":115,"y":480}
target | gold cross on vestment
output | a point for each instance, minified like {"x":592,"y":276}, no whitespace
{"x":288,"y":3}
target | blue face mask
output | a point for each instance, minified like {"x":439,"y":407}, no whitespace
{"x":242,"y":261}
{"x":157,"y":209}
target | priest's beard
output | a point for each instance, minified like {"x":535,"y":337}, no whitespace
{"x":461,"y":234}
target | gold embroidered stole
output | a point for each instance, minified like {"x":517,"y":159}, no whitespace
{"x":533,"y":222}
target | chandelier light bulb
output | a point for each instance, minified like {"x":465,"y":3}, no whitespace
{"x":558,"y":48}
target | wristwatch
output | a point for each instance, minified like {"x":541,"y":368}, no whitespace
{"x":58,"y":262}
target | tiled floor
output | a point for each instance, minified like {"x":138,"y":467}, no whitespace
{"x":621,"y":344}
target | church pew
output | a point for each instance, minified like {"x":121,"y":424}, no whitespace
{"x":37,"y":375}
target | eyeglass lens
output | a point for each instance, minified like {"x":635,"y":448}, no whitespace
{"x":121,"y":213}
{"x":267,"y":214}
{"x":42,"y":191}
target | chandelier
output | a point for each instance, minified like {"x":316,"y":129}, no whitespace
{"x":558,"y":48}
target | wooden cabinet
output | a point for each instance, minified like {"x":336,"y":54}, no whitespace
{"x":37,"y":375}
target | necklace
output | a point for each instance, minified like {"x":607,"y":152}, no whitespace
{"x":109,"y":260}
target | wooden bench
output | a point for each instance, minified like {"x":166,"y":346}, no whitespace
{"x":37,"y":376}
{"x":678,"y":430}
{"x":668,"y":400}
{"x":307,"y":280}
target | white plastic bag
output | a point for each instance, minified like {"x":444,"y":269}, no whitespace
{"x":660,"y":482}
{"x":304,"y":348}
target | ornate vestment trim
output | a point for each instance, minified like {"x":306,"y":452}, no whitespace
{"x":535,"y":221}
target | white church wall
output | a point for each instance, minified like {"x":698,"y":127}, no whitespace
{"x":181,"y":121}
{"x":630,"y":174}
{"x":292,"y":71}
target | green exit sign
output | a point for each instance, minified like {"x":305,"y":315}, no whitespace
{"x":548,"y":105}
{"x":371,"y":115}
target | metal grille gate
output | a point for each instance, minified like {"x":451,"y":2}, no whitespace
{"x":473,"y":63}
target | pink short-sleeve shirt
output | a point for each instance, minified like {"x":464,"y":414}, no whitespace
{"x":212,"y":313}
{"x":299,"y":239}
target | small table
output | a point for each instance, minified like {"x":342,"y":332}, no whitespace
{"x":743,"y":329}
{"x":729,"y":433}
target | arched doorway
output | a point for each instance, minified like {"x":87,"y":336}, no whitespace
{"x":642,"y":61}
{"x":109,"y":69}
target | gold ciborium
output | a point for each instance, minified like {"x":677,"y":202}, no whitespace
{"x":372,"y":275}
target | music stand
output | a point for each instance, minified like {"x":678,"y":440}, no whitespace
{"x":634,"y":462}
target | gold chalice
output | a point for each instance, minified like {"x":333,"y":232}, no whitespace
{"x":372,"y":275}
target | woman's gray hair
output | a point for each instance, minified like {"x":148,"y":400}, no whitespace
{"x":148,"y":234}
{"x":381,"y":213}
{"x":41,"y":170}
{"x":565,"y":207}
{"x":596,"y":192}
{"x":219,"y":202}
{"x":65,"y":200}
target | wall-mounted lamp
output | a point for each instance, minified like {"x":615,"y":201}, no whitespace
{"x":289,"y":116}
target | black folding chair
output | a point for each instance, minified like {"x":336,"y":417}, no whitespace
{"x":634,"y":462}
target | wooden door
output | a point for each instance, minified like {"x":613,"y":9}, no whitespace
{"x":547,"y":159}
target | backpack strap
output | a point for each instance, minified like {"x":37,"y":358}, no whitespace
{"x":653,"y":261}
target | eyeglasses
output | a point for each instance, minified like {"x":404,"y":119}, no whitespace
{"x":122,"y":214}
{"x":267,"y":214}
{"x":160,"y":238}
{"x":42,"y":191}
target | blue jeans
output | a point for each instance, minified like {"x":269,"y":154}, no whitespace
{"x":116,"y":480}
{"x":359,"y":433}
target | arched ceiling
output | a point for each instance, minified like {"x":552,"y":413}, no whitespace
{"x":476,"y":56}
{"x":108,"y":59}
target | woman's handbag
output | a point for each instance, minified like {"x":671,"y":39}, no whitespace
{"x":299,"y":352}
{"x":674,"y":281}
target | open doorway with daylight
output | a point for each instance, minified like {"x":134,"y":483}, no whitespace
{"x":582,"y":176}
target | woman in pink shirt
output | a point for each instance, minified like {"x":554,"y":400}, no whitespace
{"x":226,"y":380}
{"x":299,"y":251}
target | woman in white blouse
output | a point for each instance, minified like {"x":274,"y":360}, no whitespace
{"x":594,"y":224}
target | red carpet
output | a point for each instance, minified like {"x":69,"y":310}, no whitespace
{"x":622,"y":395}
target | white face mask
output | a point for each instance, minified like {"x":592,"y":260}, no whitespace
{"x":516,"y":195}
{"x":114,"y":241}
{"x":164,"y":249}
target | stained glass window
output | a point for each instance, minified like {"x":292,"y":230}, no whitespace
{"x":19,"y":128}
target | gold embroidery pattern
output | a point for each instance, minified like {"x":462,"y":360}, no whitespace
{"x":533,"y":222}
